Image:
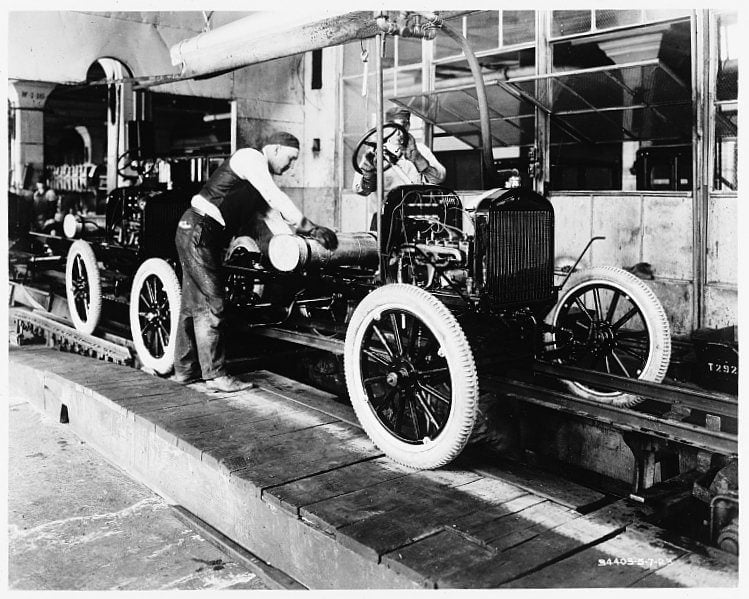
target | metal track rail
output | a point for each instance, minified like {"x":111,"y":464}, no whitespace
{"x":720,"y":404}
{"x":623,"y":419}
{"x":67,"y":338}
{"x":708,"y":437}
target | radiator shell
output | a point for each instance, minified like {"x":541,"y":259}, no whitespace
{"x":519,"y":259}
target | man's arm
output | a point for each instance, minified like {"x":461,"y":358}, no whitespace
{"x":252,"y":166}
{"x":426,"y":163}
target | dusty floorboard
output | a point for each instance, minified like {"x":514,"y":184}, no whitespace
{"x":285,"y":471}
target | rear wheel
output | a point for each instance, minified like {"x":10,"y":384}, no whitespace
{"x":83,"y":287}
{"x":411,"y":376}
{"x":610,"y":321}
{"x":154,"y":313}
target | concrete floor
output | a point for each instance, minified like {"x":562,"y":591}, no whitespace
{"x":76,"y":522}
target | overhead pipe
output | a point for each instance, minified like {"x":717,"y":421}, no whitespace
{"x":267,"y":36}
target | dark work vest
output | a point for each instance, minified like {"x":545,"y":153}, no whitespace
{"x":240,"y":204}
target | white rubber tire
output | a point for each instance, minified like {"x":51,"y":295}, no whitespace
{"x":654,"y":317}
{"x":458,"y":425}
{"x":161,"y":270}
{"x":81,"y":254}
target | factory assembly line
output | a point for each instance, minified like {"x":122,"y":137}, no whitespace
{"x":454,"y":339}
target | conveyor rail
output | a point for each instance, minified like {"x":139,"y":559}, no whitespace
{"x":708,"y":437}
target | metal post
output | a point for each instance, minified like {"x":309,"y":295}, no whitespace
{"x":701,"y":57}
{"x":379,"y":40}
{"x":543,"y":118}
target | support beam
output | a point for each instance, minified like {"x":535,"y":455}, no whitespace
{"x":26,"y":130}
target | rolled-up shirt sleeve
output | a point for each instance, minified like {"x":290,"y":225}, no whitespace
{"x":251,"y":165}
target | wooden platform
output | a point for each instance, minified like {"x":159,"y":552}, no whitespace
{"x":285,"y":471}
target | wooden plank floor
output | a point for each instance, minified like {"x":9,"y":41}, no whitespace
{"x":285,"y":471}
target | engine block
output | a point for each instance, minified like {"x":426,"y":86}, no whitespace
{"x":501,"y":250}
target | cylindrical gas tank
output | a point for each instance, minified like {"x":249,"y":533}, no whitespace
{"x":289,"y":253}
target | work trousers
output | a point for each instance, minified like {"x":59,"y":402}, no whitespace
{"x":199,"y":344}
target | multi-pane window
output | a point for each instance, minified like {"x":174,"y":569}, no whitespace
{"x":402,"y":74}
{"x":618,"y":94}
{"x":725,"y":111}
{"x":577,"y":22}
{"x":503,"y":42}
{"x":620,"y":102}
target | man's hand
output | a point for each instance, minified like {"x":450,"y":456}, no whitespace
{"x":367,"y":163}
{"x":411,"y":152}
{"x":368,"y":182}
{"x":325,"y":236}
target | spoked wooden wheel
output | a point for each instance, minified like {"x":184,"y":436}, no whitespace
{"x":610,"y":321}
{"x":154,"y":313}
{"x":411,"y":376}
{"x":83,"y":287}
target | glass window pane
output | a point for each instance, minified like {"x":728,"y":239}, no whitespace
{"x":606,"y":19}
{"x":482,"y":30}
{"x":668,"y":13}
{"x":518,"y":26}
{"x":728,"y":64}
{"x":726,"y":148}
{"x":510,"y":64}
{"x":452,"y":73}
{"x":588,"y":167}
{"x":349,"y":143}
{"x":355,"y":106}
{"x":409,"y":51}
{"x":444,"y":45}
{"x":388,"y":59}
{"x":568,"y":22}
{"x":408,"y":81}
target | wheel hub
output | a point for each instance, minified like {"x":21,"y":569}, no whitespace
{"x":602,"y":336}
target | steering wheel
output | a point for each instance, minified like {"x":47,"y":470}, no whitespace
{"x":388,"y":130}
{"x":130,"y":160}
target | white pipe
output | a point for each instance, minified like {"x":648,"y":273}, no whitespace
{"x":266,"y":36}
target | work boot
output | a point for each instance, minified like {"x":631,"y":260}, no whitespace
{"x":185,"y":380}
{"x":228,"y":384}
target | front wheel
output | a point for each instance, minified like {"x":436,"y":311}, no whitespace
{"x":154,"y":313}
{"x":411,"y":376}
{"x":610,"y":321}
{"x":83,"y":287}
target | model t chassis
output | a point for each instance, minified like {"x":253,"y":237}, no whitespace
{"x":436,"y":294}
